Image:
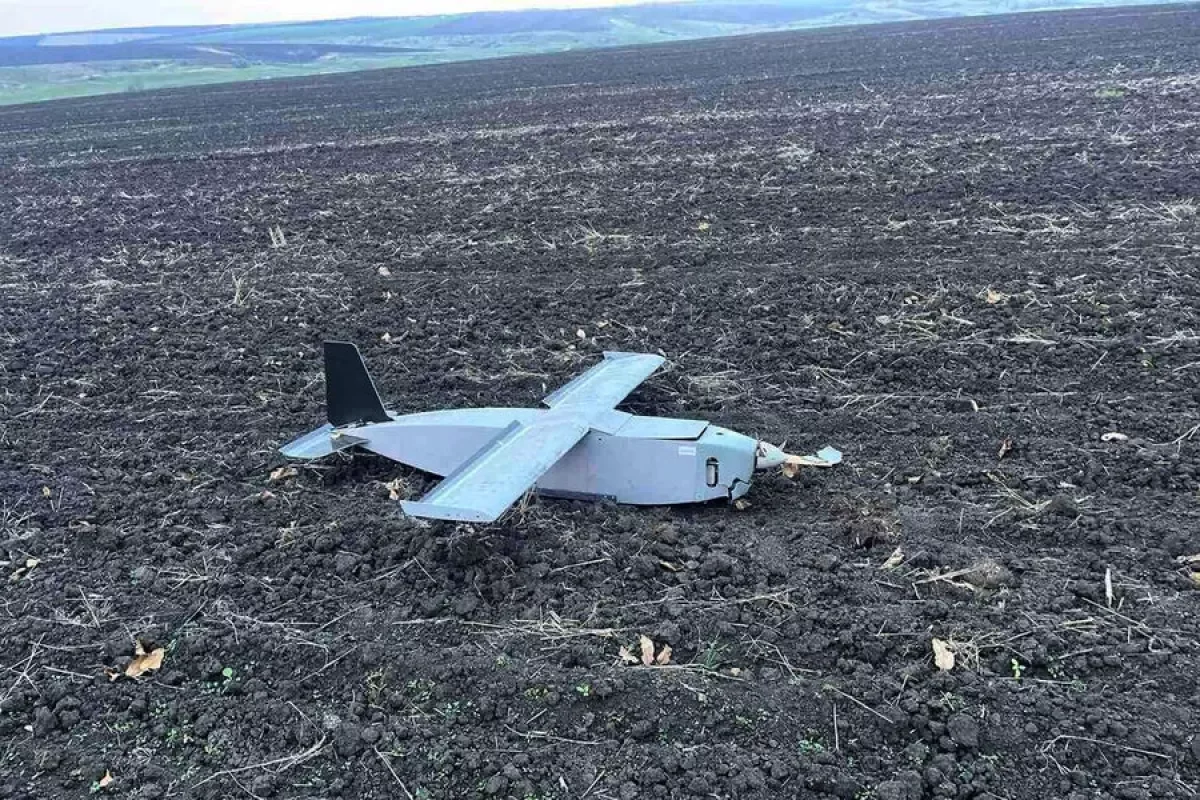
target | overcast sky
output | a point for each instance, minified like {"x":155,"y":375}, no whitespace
{"x":48,"y":16}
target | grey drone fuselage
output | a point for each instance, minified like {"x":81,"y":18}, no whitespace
{"x":628,"y":459}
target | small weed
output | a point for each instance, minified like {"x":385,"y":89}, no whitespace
{"x":713,"y":656}
{"x":450,"y":710}
{"x":178,"y":736}
{"x":584,"y":690}
{"x":376,"y":686}
{"x":743,"y":721}
{"x":240,"y":291}
{"x":811,"y":745}
{"x":1111,"y":92}
{"x":951,"y":702}
{"x":221,"y":684}
{"x":421,"y":689}
{"x":536,"y":692}
{"x":1017,"y":669}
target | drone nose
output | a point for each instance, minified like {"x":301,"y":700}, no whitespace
{"x":767,"y":455}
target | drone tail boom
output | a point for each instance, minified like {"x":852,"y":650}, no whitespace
{"x":350,"y":396}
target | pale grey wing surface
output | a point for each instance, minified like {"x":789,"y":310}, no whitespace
{"x":606,"y":384}
{"x":496,"y":477}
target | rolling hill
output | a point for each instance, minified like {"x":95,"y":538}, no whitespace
{"x":56,"y":65}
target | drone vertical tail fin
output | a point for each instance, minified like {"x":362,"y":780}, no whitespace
{"x":350,"y":396}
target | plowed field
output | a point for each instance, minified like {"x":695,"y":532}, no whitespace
{"x":965,"y":253}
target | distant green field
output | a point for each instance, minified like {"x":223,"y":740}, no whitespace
{"x":90,"y":63}
{"x":17,"y":85}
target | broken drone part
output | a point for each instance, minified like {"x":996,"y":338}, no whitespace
{"x":579,"y":446}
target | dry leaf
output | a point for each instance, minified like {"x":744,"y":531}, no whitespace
{"x":703,"y":226}
{"x":105,"y":780}
{"x":943,"y":656}
{"x":647,"y":657}
{"x":667,"y":565}
{"x":894,"y":560}
{"x":1114,"y":436}
{"x":283,"y":473}
{"x":22,"y":572}
{"x":1108,"y":586}
{"x":143,"y":661}
{"x":46,"y":492}
{"x":647,"y":649}
{"x":384,"y":272}
{"x":741,"y":504}
{"x":1189,"y":559}
{"x":396,"y":489}
{"x":1196,"y":579}
{"x":993,"y":297}
{"x":1005,"y":448}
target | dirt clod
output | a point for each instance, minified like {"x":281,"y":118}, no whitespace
{"x":1062,"y":505}
{"x":963,"y":730}
{"x":988,"y":574}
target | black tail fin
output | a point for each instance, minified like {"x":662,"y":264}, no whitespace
{"x":350,"y":396}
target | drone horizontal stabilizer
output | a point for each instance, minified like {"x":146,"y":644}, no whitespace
{"x":495,"y":477}
{"x":606,"y":384}
{"x":319,"y":443}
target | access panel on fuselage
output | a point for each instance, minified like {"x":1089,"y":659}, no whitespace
{"x":629,"y":470}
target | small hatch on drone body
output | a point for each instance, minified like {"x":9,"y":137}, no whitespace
{"x":712,"y":472}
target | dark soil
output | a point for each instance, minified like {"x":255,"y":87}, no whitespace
{"x":961,"y":252}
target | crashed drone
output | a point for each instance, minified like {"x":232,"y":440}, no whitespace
{"x":579,"y":446}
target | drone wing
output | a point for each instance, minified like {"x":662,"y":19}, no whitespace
{"x":496,"y":476}
{"x":607,"y":383}
{"x":503,"y":470}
